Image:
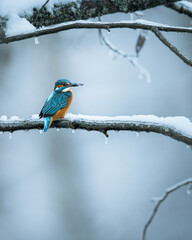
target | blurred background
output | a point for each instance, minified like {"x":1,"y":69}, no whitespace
{"x":61,"y":185}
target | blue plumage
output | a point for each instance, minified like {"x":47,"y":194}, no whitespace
{"x":56,"y":101}
{"x":46,"y":123}
{"x":59,"y":99}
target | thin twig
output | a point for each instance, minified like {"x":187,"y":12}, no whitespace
{"x":40,"y":11}
{"x":115,"y":49}
{"x":139,"y":123}
{"x":132,"y":58}
{"x":180,"y":8}
{"x":160,"y":36}
{"x":138,"y":24}
{"x":161,"y":199}
{"x":44,"y":5}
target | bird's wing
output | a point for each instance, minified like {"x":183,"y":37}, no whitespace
{"x":54,"y":102}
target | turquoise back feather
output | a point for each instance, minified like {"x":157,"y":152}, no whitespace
{"x":55,"y":102}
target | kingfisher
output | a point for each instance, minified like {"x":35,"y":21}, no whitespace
{"x":58,"y":102}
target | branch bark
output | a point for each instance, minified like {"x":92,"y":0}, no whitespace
{"x":83,"y":10}
{"x":180,"y":8}
{"x":161,"y":199}
{"x":171,"y":47}
{"x":86,"y":9}
{"x":140,"y":123}
{"x":138,"y":24}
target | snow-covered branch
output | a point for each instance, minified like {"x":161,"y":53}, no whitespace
{"x":161,"y":199}
{"x":183,"y":7}
{"x":45,"y":13}
{"x":138,"y":24}
{"x":85,"y":9}
{"x":178,"y":128}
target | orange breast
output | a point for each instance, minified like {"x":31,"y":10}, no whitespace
{"x":61,"y":113}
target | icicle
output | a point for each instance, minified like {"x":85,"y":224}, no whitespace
{"x":37,"y":41}
{"x":106,"y":140}
{"x":189,"y":189}
{"x":10,"y":135}
{"x":40,"y":131}
{"x":73,"y":131}
{"x":137,"y":134}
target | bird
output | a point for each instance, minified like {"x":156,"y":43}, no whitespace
{"x":57,"y":104}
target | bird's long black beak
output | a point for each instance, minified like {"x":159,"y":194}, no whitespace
{"x":76,"y":84}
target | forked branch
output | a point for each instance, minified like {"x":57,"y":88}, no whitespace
{"x":161,"y":199}
{"x":164,"y":40}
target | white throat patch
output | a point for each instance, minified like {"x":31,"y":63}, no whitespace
{"x":67,"y":89}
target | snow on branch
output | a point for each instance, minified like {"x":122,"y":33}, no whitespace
{"x":183,"y":7}
{"x":137,"y":24}
{"x":161,"y":199}
{"x":45,"y":13}
{"x":178,"y":128}
{"x":72,"y":10}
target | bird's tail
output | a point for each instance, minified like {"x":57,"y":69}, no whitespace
{"x":47,"y":123}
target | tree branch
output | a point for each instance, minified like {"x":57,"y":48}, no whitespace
{"x":132,"y":58}
{"x":171,"y":47}
{"x":161,"y":199}
{"x":178,"y":128}
{"x":138,"y":24}
{"x":181,"y":8}
{"x":85,"y":9}
{"x":80,"y":10}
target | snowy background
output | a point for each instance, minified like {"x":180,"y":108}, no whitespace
{"x":64,"y":185}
